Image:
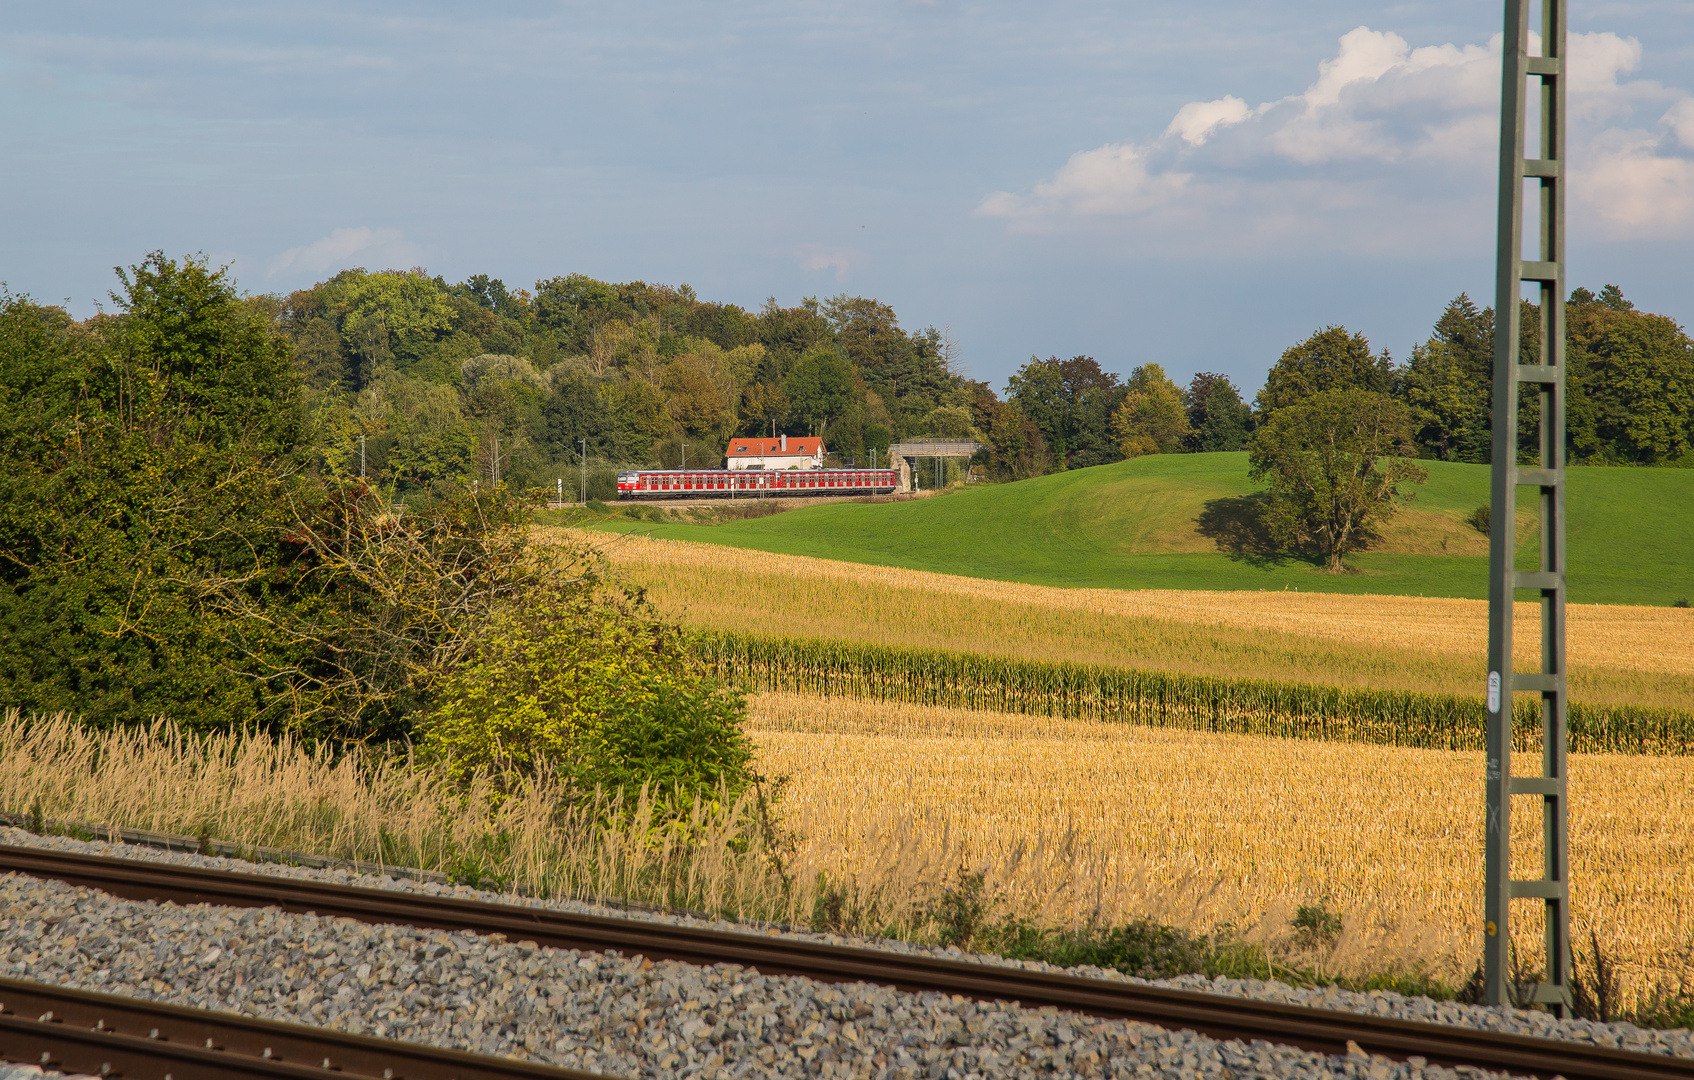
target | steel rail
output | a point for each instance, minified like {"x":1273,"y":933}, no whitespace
{"x":1218,"y":1016}
{"x":111,"y":1036}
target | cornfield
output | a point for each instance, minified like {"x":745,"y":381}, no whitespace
{"x":1244,"y":706}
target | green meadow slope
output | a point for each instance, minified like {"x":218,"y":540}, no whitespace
{"x":1182,"y":522}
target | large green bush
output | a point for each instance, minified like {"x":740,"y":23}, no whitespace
{"x":581,"y":683}
{"x":167,"y":550}
{"x":145,"y":451}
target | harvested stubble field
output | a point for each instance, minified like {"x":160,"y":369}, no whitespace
{"x":1618,"y":654}
{"x":1078,"y":821}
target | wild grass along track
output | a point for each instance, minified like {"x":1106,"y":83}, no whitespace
{"x":1213,"y":1015}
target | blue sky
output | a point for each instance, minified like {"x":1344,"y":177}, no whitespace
{"x":1197,"y":184}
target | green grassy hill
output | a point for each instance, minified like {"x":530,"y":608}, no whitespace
{"x":1178,"y":522}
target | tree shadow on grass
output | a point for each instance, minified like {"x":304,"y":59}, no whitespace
{"x":1237,"y":525}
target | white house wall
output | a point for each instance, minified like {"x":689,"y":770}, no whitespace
{"x":773,"y":463}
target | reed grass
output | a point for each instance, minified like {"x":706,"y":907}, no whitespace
{"x":1618,"y":654}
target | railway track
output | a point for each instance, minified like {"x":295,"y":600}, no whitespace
{"x":105,"y":1035}
{"x":1217,"y":1016}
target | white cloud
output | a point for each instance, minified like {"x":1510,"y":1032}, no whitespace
{"x":1680,"y":119}
{"x":1390,"y":149}
{"x":1198,"y":119}
{"x":1634,"y":189}
{"x":342,"y":248}
{"x":1110,"y":181}
{"x":841,"y":260}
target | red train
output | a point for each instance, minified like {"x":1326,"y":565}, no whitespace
{"x":726,"y":483}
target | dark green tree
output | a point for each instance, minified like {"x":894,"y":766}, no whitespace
{"x":1331,"y":359}
{"x":1635,"y":376}
{"x":1016,"y":448}
{"x":1612,"y":297}
{"x":1220,"y":420}
{"x":789,"y":333}
{"x":1337,"y":465}
{"x":819,"y":389}
{"x":1072,"y":402}
{"x":147,"y":453}
{"x":1449,"y":384}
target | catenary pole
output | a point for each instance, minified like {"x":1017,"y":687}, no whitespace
{"x":1508,"y":977}
{"x":584,"y":443}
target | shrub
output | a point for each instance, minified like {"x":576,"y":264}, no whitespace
{"x":1481,"y":519}
{"x":1144,"y":948}
{"x":582,"y":683}
{"x":1681,"y":603}
{"x":602,"y":485}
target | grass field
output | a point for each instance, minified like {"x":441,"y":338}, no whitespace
{"x":1164,"y":522}
{"x":1618,"y":654}
{"x":1078,"y":821}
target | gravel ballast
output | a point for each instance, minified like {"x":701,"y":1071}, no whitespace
{"x":631,"y":1016}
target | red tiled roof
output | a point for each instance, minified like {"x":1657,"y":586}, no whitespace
{"x":798,"y":446}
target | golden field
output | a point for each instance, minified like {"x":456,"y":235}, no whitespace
{"x":1078,"y":822}
{"x":1617,"y":654}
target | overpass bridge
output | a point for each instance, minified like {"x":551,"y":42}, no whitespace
{"x":904,"y":455}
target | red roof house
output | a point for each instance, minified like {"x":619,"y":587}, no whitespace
{"x":782,"y":452}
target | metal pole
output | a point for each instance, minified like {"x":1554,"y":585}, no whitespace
{"x":561,"y":482}
{"x":1546,"y":474}
{"x":584,"y":443}
{"x":685,"y":457}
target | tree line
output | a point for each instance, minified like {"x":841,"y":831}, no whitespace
{"x":414,"y":379}
{"x":1629,"y":391}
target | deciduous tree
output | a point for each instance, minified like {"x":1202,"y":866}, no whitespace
{"x":819,"y":389}
{"x":1336,"y":463}
{"x":1218,"y":418}
{"x":1331,"y":359}
{"x":1636,"y":381}
{"x":1072,"y":402}
{"x":1151,"y":419}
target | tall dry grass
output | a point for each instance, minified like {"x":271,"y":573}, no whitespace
{"x":255,"y":791}
{"x":1079,"y":821}
{"x":1617,"y":654}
